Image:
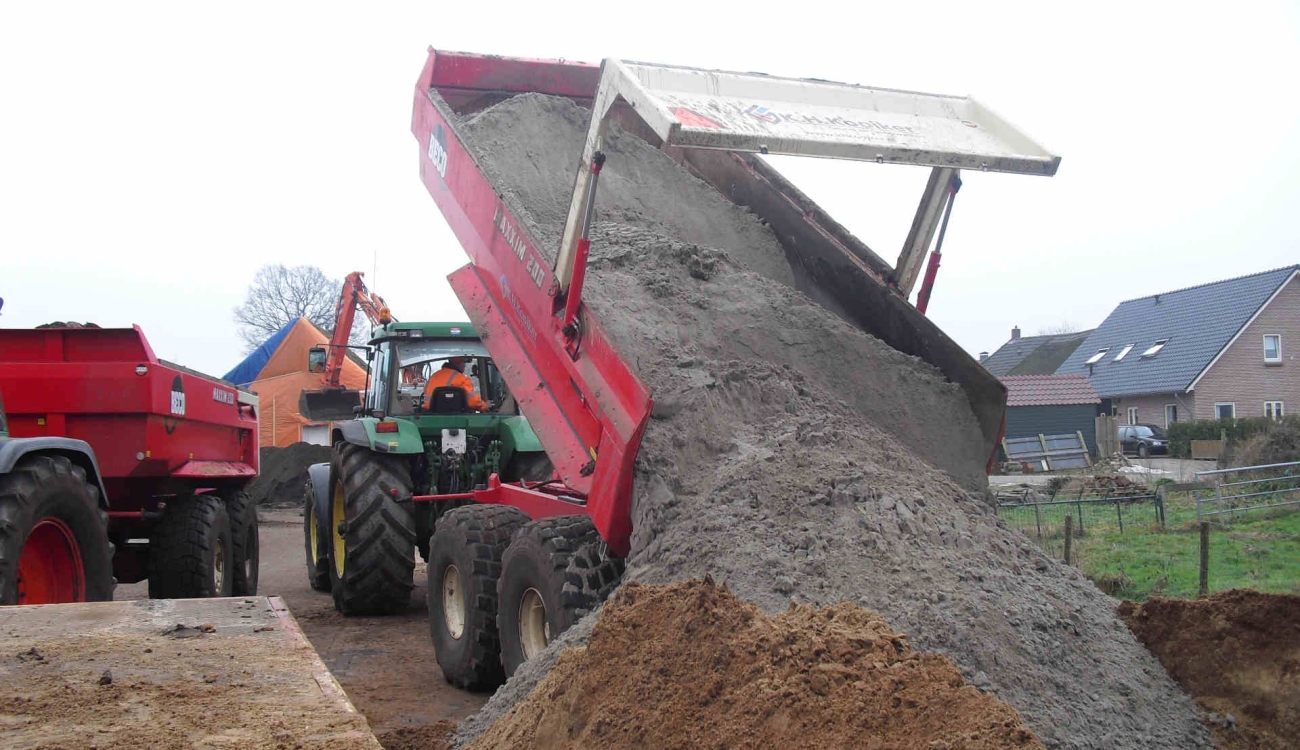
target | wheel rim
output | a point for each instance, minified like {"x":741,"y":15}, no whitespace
{"x":534,"y":631}
{"x":314,"y":535}
{"x":218,"y":568}
{"x":49,"y":568}
{"x":336,"y":518}
{"x":453,"y":602}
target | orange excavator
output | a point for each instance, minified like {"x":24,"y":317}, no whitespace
{"x":333,"y":402}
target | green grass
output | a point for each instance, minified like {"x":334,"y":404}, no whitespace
{"x":1260,"y":550}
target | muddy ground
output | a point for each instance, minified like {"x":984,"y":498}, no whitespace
{"x":385,"y":664}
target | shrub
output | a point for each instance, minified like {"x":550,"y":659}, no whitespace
{"x":1277,"y":445}
{"x":1181,"y":434}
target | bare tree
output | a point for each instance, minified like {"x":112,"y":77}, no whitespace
{"x":279,"y":295}
{"x":1064,"y":326}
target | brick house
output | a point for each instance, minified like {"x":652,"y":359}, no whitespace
{"x":1224,"y":349}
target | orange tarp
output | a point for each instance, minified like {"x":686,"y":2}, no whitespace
{"x":285,"y":377}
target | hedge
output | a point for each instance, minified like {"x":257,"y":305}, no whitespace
{"x":1182,"y":433}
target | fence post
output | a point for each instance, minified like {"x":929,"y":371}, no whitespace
{"x":1120,"y":515}
{"x":1069,"y":536}
{"x":1079,"y":503}
{"x":1038,"y":516}
{"x":1205,"y":558}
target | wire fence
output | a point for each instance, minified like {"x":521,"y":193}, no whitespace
{"x":1045,"y":519}
{"x":1227,"y":495}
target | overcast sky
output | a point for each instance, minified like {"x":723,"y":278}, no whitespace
{"x":155,"y":155}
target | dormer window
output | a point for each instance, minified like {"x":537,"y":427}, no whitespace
{"x":1155,"y":348}
{"x":1123,"y":352}
{"x":1094,"y":359}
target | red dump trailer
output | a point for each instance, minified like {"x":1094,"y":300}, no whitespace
{"x":553,"y":549}
{"x":116,"y":465}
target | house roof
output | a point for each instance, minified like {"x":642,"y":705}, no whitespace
{"x":1198,"y":323}
{"x":1034,"y":355}
{"x":1049,"y":390}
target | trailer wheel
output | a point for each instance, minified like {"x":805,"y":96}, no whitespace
{"x":466,"y":554}
{"x":592,"y":575}
{"x":191,"y":550}
{"x":534,"y":607}
{"x":244,"y":541}
{"x":316,"y":538}
{"x":54,"y":544}
{"x":372,"y":550}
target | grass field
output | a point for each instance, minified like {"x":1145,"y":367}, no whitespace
{"x":1258,"y":551}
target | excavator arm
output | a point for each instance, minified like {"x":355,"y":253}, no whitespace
{"x":333,"y":402}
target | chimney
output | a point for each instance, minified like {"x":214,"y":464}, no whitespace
{"x":1015,"y":333}
{"x":984,"y":356}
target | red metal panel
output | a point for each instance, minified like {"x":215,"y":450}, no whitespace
{"x":214,"y":470}
{"x":589,"y":410}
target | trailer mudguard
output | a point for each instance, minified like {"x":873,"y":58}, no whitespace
{"x":13,"y":450}
{"x":406,"y":441}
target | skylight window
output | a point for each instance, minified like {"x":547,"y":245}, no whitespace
{"x":1123,"y":352}
{"x":1155,"y":348}
{"x":1094,"y":359}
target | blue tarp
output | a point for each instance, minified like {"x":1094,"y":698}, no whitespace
{"x":247,"y":371}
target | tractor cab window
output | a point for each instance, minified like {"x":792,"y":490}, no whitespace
{"x":418,"y":360}
{"x":377,"y":398}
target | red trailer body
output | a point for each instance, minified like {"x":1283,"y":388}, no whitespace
{"x":586,"y":405}
{"x":157,"y":429}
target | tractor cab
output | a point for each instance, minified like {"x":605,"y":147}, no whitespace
{"x":406,"y":355}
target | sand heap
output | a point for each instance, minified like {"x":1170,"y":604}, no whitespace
{"x":713,"y":671}
{"x":1238,"y":653}
{"x":796,"y":457}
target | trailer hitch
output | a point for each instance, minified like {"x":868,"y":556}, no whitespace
{"x":570,"y":325}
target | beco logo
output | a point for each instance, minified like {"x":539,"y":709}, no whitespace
{"x":438,"y":150}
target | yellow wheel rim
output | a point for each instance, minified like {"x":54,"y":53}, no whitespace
{"x":336,"y":518}
{"x":314,"y":535}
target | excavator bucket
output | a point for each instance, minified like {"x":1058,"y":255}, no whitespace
{"x":331,"y":405}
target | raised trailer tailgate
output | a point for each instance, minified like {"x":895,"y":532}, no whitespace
{"x":253,"y":681}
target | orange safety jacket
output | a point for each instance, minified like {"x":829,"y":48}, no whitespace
{"x":448,"y":377}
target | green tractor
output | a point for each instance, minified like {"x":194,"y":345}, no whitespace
{"x":361,"y":527}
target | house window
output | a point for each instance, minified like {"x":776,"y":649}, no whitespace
{"x":1225,"y":411}
{"x":1273,"y":348}
{"x":1094,"y":359}
{"x":1274,"y":410}
{"x":1155,"y":348}
{"x":1132,"y":415}
{"x":1171,"y":414}
{"x":1123,"y":352}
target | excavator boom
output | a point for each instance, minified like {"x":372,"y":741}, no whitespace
{"x":333,"y":402}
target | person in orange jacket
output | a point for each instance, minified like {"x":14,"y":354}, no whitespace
{"x":451,"y":374}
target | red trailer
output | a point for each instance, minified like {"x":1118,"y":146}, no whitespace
{"x":116,"y":465}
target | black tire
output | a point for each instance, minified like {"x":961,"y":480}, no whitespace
{"x":244,"y":541}
{"x":473,"y":539}
{"x":318,"y":559}
{"x":191,"y":552}
{"x":538,"y":560}
{"x":591,"y":576}
{"x":52,"y":487}
{"x":1142,"y":451}
{"x":377,"y":572}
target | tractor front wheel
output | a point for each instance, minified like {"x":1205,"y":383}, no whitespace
{"x":464,"y":566}
{"x":54,"y":544}
{"x":316,"y":537}
{"x":372,"y":549}
{"x":192,"y":553}
{"x":535,"y":604}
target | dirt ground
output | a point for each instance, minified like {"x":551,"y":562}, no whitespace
{"x":1238,"y":654}
{"x":385,"y":664}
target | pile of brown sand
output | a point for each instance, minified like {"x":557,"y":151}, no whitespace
{"x":796,"y":457}
{"x":691,"y":665}
{"x":1238,"y":654}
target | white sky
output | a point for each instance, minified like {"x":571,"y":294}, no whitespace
{"x":155,"y":155}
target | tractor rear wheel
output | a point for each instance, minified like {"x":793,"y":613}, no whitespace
{"x":316,"y":536}
{"x":372,"y":550}
{"x":534,"y":603}
{"x":463,"y":569}
{"x":191,"y":551}
{"x":54,"y":544}
{"x":244,"y":542}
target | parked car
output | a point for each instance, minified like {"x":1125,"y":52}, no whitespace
{"x":1143,"y":439}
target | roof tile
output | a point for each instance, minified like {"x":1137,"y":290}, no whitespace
{"x":1049,"y":390}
